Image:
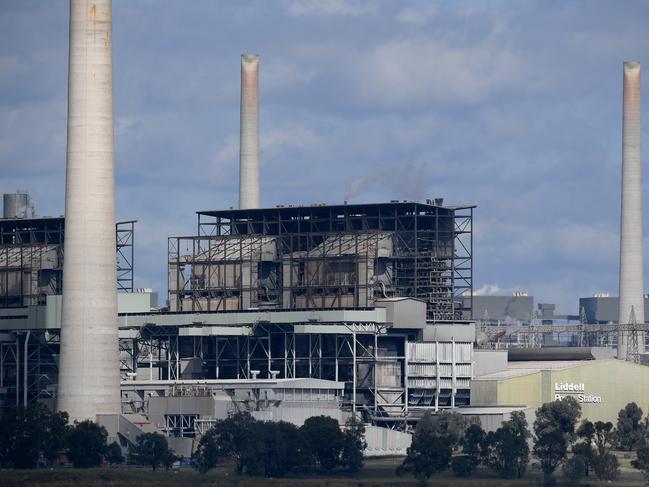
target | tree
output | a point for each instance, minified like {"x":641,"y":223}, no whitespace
{"x":153,"y":450}
{"x":207,"y":452}
{"x":324,"y":440}
{"x":238,"y":438}
{"x":265,"y":449}
{"x":562,"y":415}
{"x":428,"y":453}
{"x":30,"y":433}
{"x":87,"y":444}
{"x":554,"y":429}
{"x":550,"y":448}
{"x":605,"y":464}
{"x":450,"y":424}
{"x":630,"y":434}
{"x":517,"y":426}
{"x":584,"y":448}
{"x":506,"y":450}
{"x":297,"y":451}
{"x":354,"y":445}
{"x":474,"y":437}
{"x":642,"y":462}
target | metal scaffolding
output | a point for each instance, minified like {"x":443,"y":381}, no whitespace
{"x":325,"y":257}
{"x":31,"y":259}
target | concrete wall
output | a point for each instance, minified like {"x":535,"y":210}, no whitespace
{"x":404,"y":313}
{"x":488,"y":361}
{"x":460,"y":332}
{"x":385,"y":442}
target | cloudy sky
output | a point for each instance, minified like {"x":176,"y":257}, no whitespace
{"x":512,"y":106}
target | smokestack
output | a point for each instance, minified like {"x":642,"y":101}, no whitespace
{"x":249,"y":145}
{"x":631,"y":266}
{"x":89,"y":362}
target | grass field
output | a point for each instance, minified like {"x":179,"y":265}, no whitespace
{"x":377,"y":473}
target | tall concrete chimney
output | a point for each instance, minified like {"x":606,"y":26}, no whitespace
{"x":249,"y":145}
{"x":89,"y":362}
{"x":631,"y":265}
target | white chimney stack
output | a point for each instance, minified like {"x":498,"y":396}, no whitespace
{"x":631,"y":261}
{"x":249,"y":133}
{"x":89,"y":362}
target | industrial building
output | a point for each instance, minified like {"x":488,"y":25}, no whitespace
{"x":284,"y":312}
{"x":601,"y":384}
{"x":603,"y":308}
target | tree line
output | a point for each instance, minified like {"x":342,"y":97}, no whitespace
{"x":447,"y":440}
{"x":33,"y":436}
{"x":275,"y":449}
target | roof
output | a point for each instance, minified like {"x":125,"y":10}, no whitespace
{"x":507,"y":374}
{"x":344,"y":208}
{"x":484,"y":410}
{"x":520,"y":369}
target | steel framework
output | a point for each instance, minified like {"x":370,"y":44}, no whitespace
{"x":31,"y":259}
{"x":325,"y":257}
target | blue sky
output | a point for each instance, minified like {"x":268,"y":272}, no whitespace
{"x":512,"y":106}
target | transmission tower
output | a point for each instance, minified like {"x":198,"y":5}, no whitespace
{"x":632,"y":354}
{"x":581,"y":337}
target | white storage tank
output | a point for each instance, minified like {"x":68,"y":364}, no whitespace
{"x":17,"y":205}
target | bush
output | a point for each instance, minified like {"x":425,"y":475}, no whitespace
{"x":462,"y":466}
{"x":606,"y":466}
{"x":642,"y":462}
{"x":152,"y":450}
{"x":573,"y":470}
{"x":87,"y":444}
{"x":114,"y":454}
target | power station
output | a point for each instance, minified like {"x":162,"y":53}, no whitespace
{"x":287,"y":311}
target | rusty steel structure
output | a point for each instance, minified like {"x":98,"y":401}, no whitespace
{"x":325,"y":256}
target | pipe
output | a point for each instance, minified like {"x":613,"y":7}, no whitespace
{"x":631,"y":258}
{"x":249,"y":133}
{"x":25,"y":368}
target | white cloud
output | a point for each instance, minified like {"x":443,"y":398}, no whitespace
{"x":299,"y":8}
{"x":418,"y":16}
{"x":420,"y":70}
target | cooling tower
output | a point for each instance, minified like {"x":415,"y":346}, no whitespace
{"x":249,"y":145}
{"x":631,"y":265}
{"x":89,"y":362}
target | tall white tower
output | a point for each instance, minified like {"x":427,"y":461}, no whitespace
{"x":89,"y":362}
{"x":631,"y":261}
{"x":249,"y":133}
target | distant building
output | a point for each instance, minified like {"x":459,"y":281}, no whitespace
{"x":602,"y":308}
{"x":517,"y":308}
